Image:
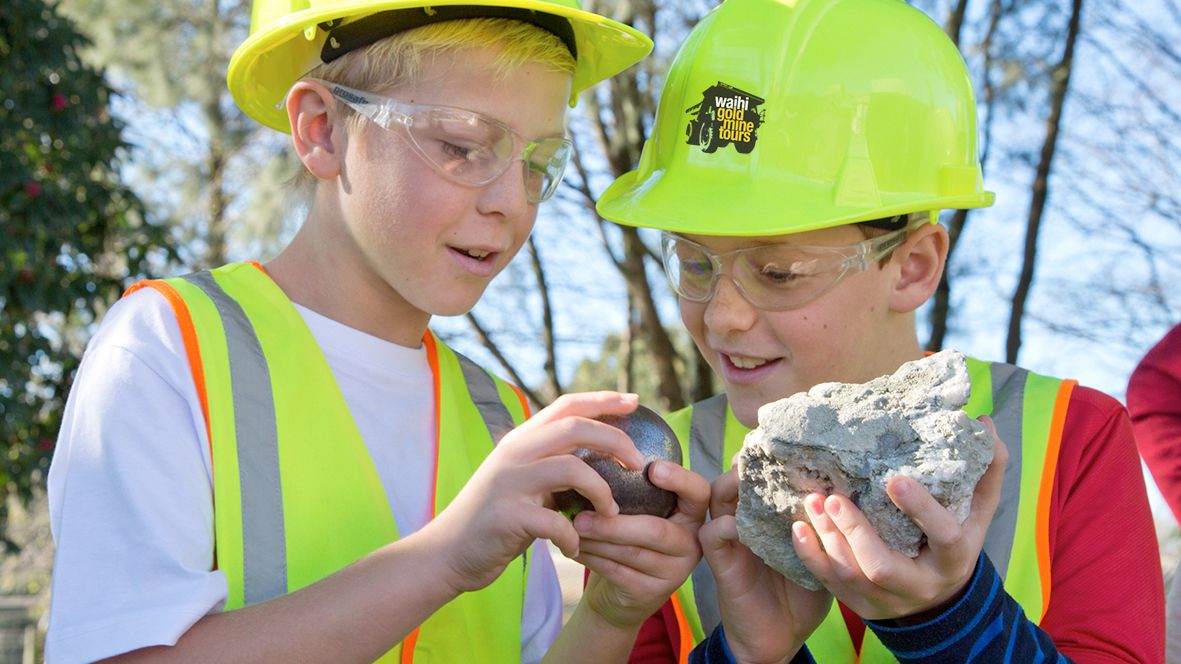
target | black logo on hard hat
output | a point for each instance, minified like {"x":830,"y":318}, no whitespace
{"x":724,"y":115}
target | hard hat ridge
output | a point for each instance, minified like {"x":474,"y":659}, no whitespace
{"x":784,"y":116}
{"x":364,"y":31}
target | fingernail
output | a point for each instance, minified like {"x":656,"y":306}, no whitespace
{"x":658,"y":471}
{"x":810,"y":506}
{"x":902,"y":486}
{"x":833,"y":507}
{"x":629,"y":397}
{"x":583,"y":522}
{"x":799,"y":531}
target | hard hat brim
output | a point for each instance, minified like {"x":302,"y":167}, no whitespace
{"x":740,"y":209}
{"x":265,"y":66}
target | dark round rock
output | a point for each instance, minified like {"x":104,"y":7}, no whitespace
{"x":632,"y":491}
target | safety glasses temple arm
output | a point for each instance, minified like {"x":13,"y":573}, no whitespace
{"x":377,"y":110}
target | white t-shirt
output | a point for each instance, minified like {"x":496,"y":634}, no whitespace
{"x":130,"y":486}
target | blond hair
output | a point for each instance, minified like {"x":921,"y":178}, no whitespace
{"x":399,"y":59}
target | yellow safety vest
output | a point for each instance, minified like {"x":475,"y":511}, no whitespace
{"x":296,"y":495}
{"x":1028,"y":410}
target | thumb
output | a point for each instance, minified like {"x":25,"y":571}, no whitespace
{"x":718,"y":536}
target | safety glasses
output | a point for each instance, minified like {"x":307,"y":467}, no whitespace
{"x":465,"y":147}
{"x":773,"y":277}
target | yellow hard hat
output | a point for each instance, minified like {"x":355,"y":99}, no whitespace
{"x":781,"y":116}
{"x":290,"y":37}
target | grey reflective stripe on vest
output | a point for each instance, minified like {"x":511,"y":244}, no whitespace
{"x":1008,"y":408}
{"x":264,"y":548}
{"x":482,"y":389}
{"x":707,"y":432}
{"x":707,"y":442}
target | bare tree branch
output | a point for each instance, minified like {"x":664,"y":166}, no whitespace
{"x":941,"y":306}
{"x":1060,"y":86}
{"x":508,"y":367}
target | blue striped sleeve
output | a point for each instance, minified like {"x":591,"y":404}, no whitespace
{"x":985,"y":625}
{"x":715,"y":650}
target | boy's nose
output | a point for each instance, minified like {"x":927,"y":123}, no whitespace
{"x":505,"y":196}
{"x":728,"y":310}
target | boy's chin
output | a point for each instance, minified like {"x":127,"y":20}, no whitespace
{"x":455,"y":307}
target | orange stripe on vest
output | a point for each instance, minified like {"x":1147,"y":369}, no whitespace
{"x":189,"y":334}
{"x":1049,"y":470}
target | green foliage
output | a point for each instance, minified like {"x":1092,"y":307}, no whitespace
{"x":72,"y":235}
{"x":219,"y":180}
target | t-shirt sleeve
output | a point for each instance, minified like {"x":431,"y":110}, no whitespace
{"x":1107,"y":591}
{"x":541,"y":616}
{"x":130,"y":494}
{"x":1154,"y":404}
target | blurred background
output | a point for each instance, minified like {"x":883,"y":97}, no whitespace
{"x":122,"y":156}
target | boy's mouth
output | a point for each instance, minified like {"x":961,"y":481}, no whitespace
{"x":743,"y":362}
{"x":482,"y":262}
{"x":474,"y":253}
{"x":747,"y":370}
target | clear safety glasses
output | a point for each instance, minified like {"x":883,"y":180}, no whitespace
{"x":464,"y":146}
{"x":772,"y":277}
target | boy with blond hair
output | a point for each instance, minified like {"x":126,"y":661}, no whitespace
{"x":799,"y":158}
{"x":279,"y":462}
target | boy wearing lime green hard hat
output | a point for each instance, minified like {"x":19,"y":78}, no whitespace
{"x":801,"y":152}
{"x":279,"y":462}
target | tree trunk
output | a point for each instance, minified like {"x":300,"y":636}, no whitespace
{"x":547,"y":329}
{"x":941,"y":310}
{"x":955,"y":21}
{"x":215,"y":120}
{"x":627,"y":351}
{"x":1059,"y":86}
{"x":659,"y":344}
{"x":621,"y":136}
{"x":215,"y":236}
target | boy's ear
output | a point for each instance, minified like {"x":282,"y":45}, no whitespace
{"x":920,"y":261}
{"x":310,"y":110}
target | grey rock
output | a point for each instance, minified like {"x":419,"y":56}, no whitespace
{"x":851,"y":439}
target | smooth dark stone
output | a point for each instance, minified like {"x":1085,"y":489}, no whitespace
{"x":631,"y":488}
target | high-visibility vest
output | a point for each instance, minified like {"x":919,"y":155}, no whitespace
{"x":296,"y":494}
{"x":1028,"y":410}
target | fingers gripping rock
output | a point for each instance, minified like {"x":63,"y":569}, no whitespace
{"x":851,"y":439}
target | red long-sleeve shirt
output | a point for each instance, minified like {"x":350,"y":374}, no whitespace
{"x":1154,"y":402}
{"x":1107,"y":595}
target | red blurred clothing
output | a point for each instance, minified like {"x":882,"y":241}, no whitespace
{"x":1107,"y":596}
{"x":1154,"y":402}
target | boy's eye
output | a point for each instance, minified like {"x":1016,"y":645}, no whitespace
{"x":778,"y":277}
{"x":696,"y":266}
{"x":457,"y":151}
{"x":790,"y":274}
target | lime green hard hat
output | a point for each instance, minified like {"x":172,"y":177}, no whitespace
{"x":290,"y":37}
{"x":781,"y":116}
